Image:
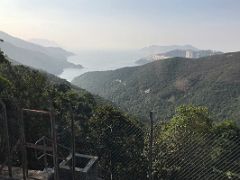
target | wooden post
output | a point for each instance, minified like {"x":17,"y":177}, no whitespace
{"x":54,"y":145}
{"x":151,"y":147}
{"x":9,"y":162}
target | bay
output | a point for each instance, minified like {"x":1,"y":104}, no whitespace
{"x":99,"y":61}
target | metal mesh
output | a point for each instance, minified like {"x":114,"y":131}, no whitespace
{"x":191,"y":155}
{"x":121,"y":153}
{"x":194,"y":155}
{"x":124,"y":153}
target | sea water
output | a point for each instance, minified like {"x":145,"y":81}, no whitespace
{"x":99,"y":61}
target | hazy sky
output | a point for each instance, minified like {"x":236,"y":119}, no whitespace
{"x":124,"y":24}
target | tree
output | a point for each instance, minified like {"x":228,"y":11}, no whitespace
{"x":191,"y":144}
{"x":176,"y":145}
{"x":119,"y":143}
{"x":226,"y":150}
{"x":5,"y":85}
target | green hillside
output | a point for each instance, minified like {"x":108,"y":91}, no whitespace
{"x":163,"y":85}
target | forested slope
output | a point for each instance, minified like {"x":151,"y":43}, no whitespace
{"x":163,"y":85}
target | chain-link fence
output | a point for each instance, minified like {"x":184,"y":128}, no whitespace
{"x":197,"y":156}
{"x":186,"y":155}
{"x":127,"y":151}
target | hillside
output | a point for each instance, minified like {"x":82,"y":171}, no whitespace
{"x":162,"y":85}
{"x":50,"y":59}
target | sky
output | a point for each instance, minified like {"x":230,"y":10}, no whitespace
{"x":125,"y":24}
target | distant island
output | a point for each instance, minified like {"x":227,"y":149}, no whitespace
{"x":154,"y":53}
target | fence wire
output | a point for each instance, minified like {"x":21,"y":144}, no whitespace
{"x":123,"y":153}
{"x":191,"y":155}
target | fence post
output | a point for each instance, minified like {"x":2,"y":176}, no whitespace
{"x":151,"y":147}
{"x":54,"y":145}
{"x":45,"y":154}
{"x":73,"y":143}
{"x":23,"y":144}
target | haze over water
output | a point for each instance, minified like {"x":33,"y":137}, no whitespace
{"x":99,"y":61}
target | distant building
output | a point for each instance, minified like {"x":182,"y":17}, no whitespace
{"x":189,"y":54}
